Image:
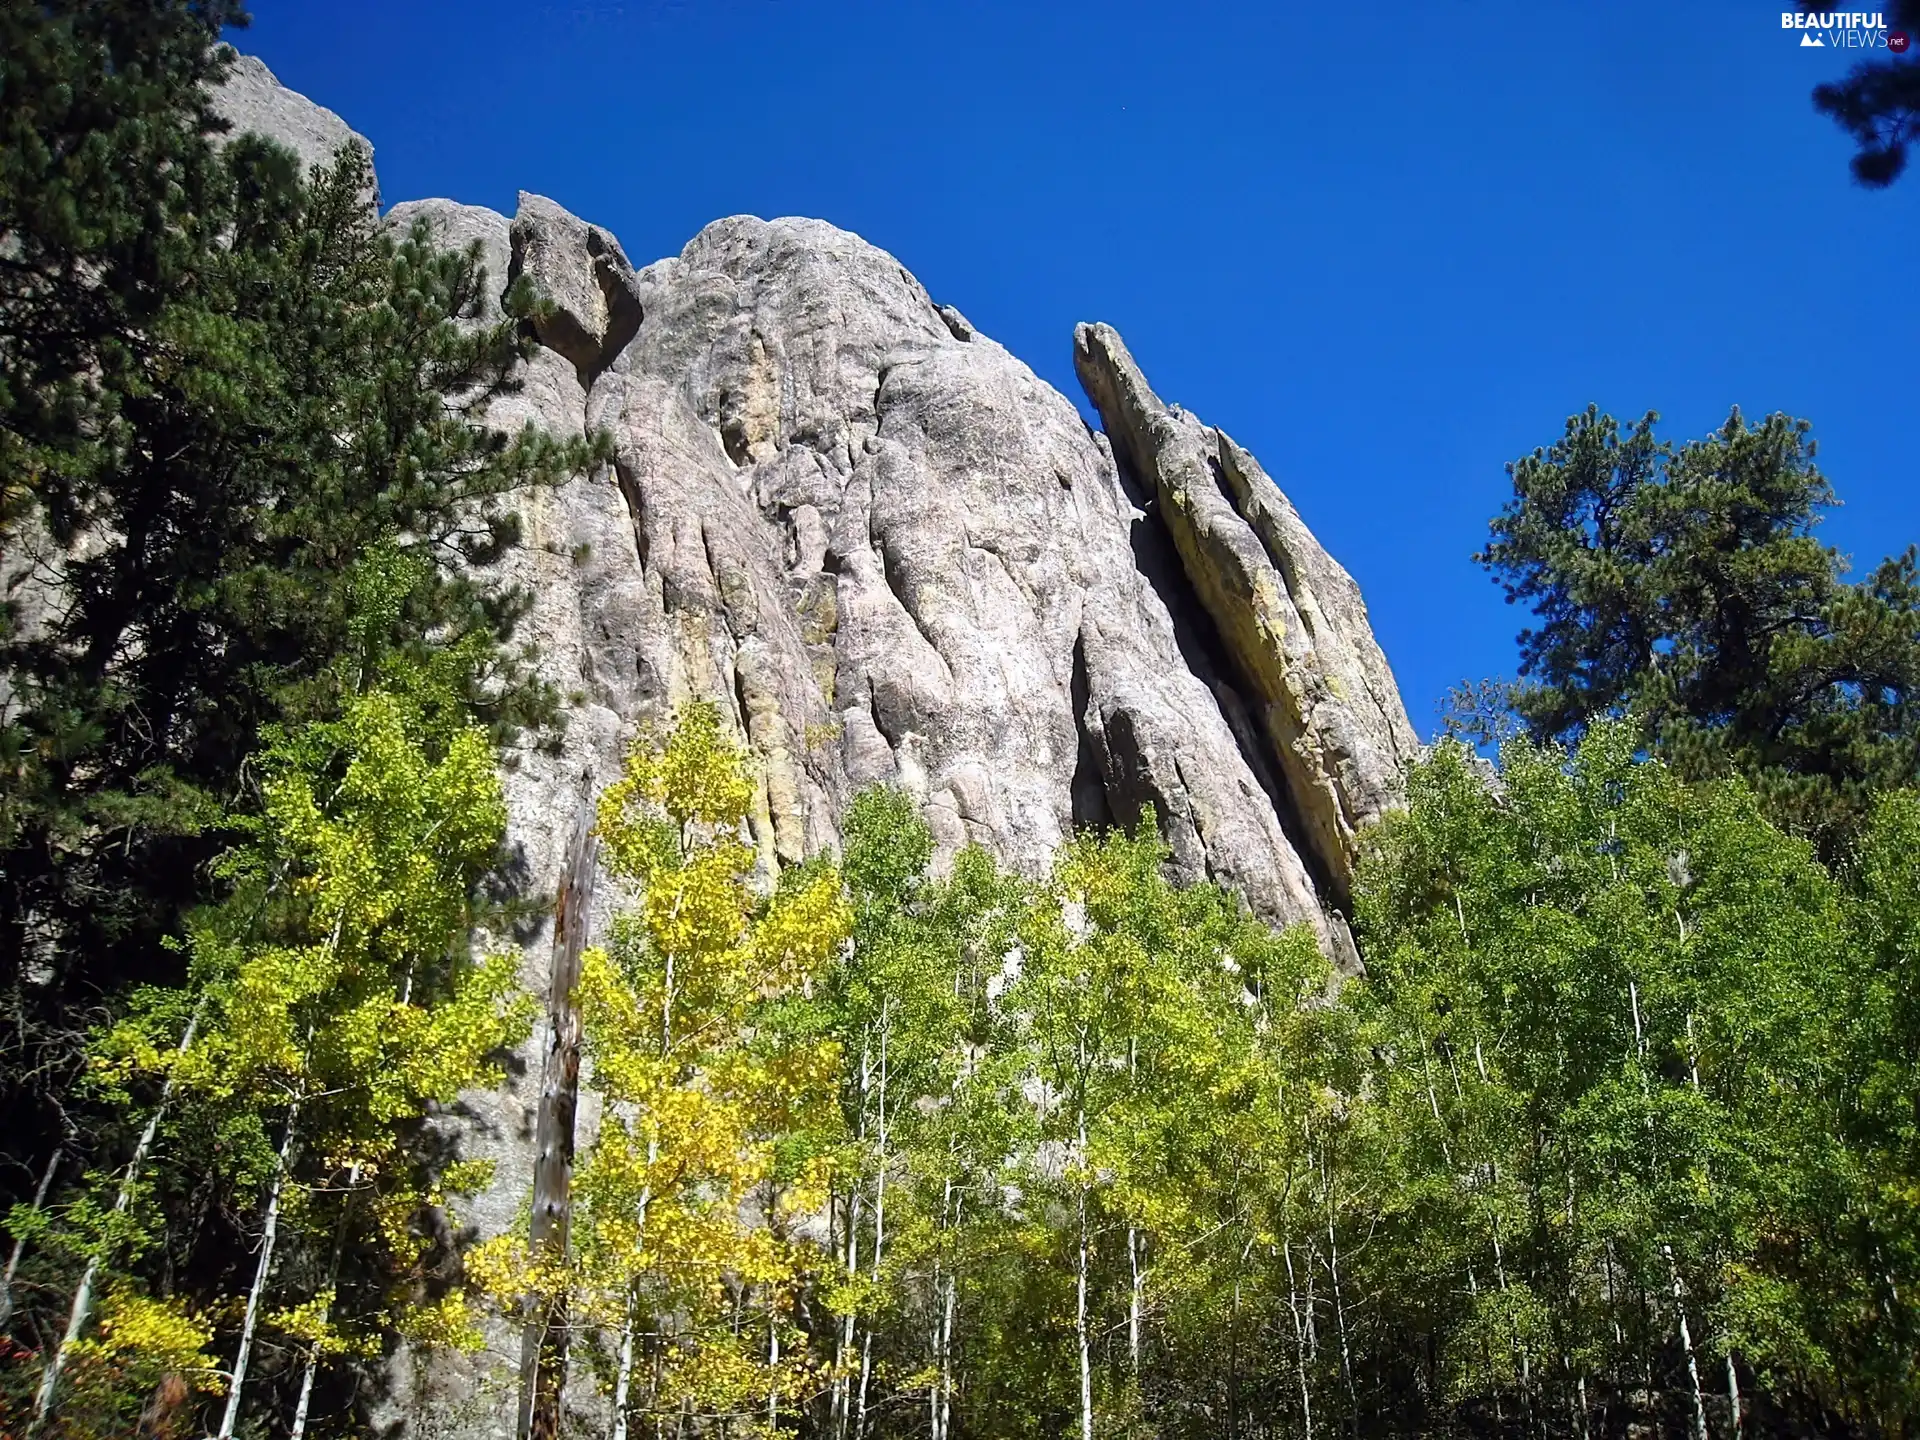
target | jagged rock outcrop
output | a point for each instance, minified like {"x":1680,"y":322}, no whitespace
{"x":1292,"y":619}
{"x":893,"y":554}
{"x":896,"y":555}
{"x":253,"y":101}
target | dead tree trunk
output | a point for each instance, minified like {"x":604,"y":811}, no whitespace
{"x":543,"y":1345}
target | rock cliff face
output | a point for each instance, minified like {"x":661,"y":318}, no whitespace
{"x":893,"y":554}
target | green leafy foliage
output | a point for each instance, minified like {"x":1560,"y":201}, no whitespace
{"x":1616,"y":1015}
{"x":247,"y":479}
{"x":330,"y":1007}
{"x":715,"y":1093}
{"x":1685,"y":584}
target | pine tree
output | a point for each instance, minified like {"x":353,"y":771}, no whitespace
{"x":1878,"y":103}
{"x":231,"y":407}
{"x":1686,"y":584}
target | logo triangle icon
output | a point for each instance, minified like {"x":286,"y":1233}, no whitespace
{"x":1812,"y":42}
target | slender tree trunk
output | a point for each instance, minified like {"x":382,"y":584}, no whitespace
{"x":543,"y":1345}
{"x":1135,"y":1300}
{"x":1080,"y":1298}
{"x":1693,"y":1071}
{"x":879,"y":1210}
{"x":623,"y":1378}
{"x":269,"y":1238}
{"x":773,"y":1362}
{"x":82,"y":1307}
{"x":20,"y":1243}
{"x":946,"y":1351}
{"x":1299,"y":1341}
{"x":842,"y":1379}
{"x":942,"y":1319}
{"x":866,"y":1371}
{"x":1339,"y":1303}
{"x":1686,"y":1347}
{"x":311,"y":1370}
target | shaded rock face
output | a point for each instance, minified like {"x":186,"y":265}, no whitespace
{"x":892,"y":554}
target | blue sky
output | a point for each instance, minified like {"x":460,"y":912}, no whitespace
{"x":1387,"y":248}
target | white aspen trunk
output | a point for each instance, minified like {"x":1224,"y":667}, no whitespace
{"x":623,"y":1379}
{"x":1613,"y":1303}
{"x":20,"y":1244}
{"x":879,"y":1212}
{"x":942,"y":1318}
{"x":1134,"y":1247}
{"x":1500,"y":1274}
{"x":305,"y":1402}
{"x":1686,"y":1346}
{"x":1299,"y":1341}
{"x":311,"y":1370}
{"x":880,"y":1180}
{"x":1080,"y":1297}
{"x":773,"y":1362}
{"x":1339,"y":1303}
{"x":933,"y":1345}
{"x":842,"y":1379}
{"x":1693,"y":1070}
{"x":1080,"y":1327}
{"x":946,"y":1355}
{"x":269,"y":1235}
{"x":82,"y":1307}
{"x":1311,"y":1309}
{"x":1134,"y":1300}
{"x":866,"y":1370}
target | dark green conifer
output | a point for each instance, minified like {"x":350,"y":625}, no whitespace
{"x":1685,"y":583}
{"x":225,"y":392}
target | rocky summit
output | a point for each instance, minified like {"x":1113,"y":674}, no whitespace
{"x":894,"y":555}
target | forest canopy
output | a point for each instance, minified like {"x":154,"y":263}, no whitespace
{"x":1616,"y":1130}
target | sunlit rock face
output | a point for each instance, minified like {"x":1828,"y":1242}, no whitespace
{"x":892,"y":554}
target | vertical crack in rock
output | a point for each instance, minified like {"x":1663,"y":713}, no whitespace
{"x":1209,"y":657}
{"x":1092,"y":784}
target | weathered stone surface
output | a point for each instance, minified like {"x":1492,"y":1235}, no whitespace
{"x":253,"y":101}
{"x":585,"y":278}
{"x":892,"y":554}
{"x":456,"y":227}
{"x":1291,"y":617}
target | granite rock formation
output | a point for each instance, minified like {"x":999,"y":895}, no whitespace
{"x":893,"y":554}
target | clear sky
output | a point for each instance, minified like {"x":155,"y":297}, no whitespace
{"x":1388,"y":248}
